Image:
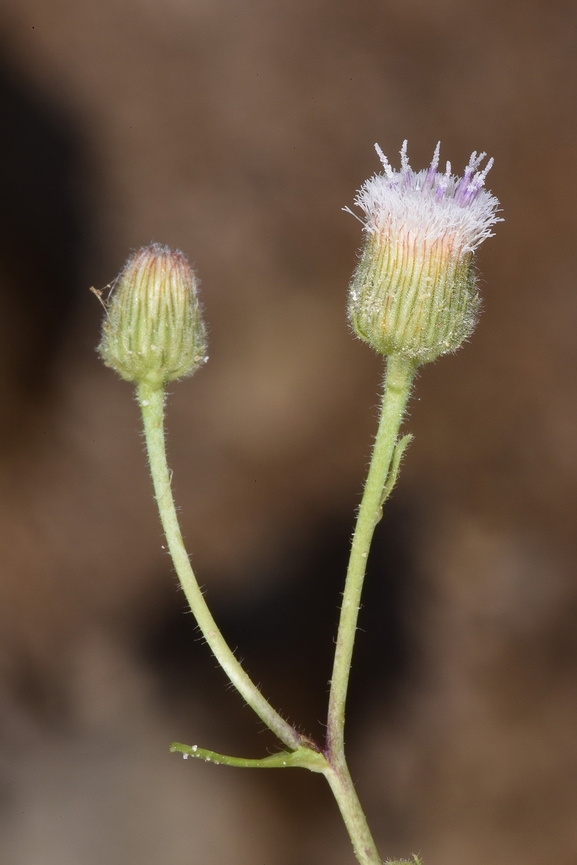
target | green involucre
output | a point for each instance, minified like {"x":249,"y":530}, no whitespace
{"x":412,"y":300}
{"x":153,"y":332}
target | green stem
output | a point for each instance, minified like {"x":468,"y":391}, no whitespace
{"x":398,"y":380}
{"x":384,"y":466}
{"x":352,"y":812}
{"x":151,"y":402}
{"x":385,"y":461}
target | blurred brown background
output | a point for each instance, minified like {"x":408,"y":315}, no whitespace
{"x":237,"y":131}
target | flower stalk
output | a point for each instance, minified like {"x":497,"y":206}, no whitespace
{"x":151,"y":401}
{"x":399,"y":377}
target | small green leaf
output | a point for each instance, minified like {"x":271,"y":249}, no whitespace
{"x":303,"y":757}
{"x":391,"y":480}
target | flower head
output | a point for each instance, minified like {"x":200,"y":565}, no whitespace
{"x":414,"y":291}
{"x":153,"y":332}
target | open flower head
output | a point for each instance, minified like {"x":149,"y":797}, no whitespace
{"x":414,"y":291}
{"x":153,"y":332}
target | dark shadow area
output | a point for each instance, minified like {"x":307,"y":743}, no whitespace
{"x":43,"y":239}
{"x":286,"y":638}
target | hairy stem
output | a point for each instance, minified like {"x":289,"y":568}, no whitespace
{"x":151,"y":402}
{"x":352,"y":813}
{"x":384,"y":466}
{"x":398,"y":380}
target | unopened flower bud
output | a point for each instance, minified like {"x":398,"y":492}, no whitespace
{"x":414,"y":292}
{"x":153,"y":332}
